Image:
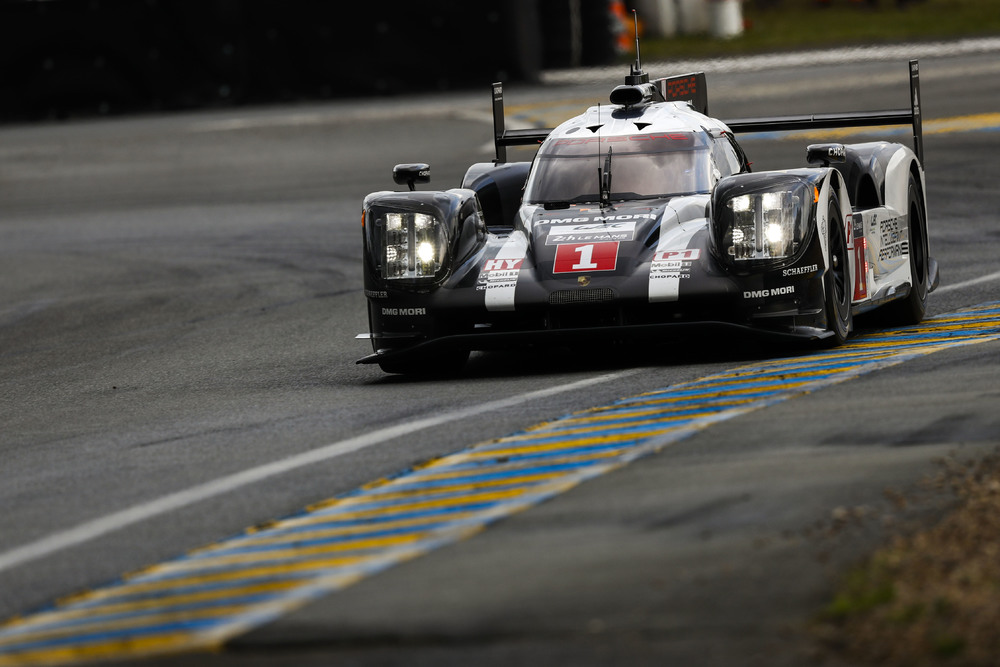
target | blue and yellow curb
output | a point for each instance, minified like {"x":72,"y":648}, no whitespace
{"x":213,"y":594}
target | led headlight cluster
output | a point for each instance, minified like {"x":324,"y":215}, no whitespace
{"x":763,"y":225}
{"x":414,"y":245}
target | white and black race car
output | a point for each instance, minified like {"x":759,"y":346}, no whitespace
{"x":641,"y":218}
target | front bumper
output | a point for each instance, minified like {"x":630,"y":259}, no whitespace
{"x":495,"y":340}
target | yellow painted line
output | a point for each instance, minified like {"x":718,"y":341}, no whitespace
{"x":592,"y":425}
{"x":844,"y":353}
{"x":470,"y":499}
{"x":432,"y":491}
{"x":287,"y":555}
{"x":957,"y":327}
{"x":651,"y":402}
{"x":442,"y":463}
{"x":640,"y":408}
{"x":637,"y":413}
{"x":623,"y":439}
{"x":126,"y":622}
{"x":488,"y":468}
{"x":274,"y":572}
{"x":631,"y":419}
{"x":68,"y":613}
{"x":718,"y":395}
{"x":320,"y":521}
{"x":136,"y":647}
{"x":352,"y":535}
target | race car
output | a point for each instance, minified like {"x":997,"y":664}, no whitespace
{"x":641,"y":218}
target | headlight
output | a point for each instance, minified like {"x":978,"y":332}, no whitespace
{"x":763,"y":225}
{"x":413,"y":245}
{"x":414,"y":240}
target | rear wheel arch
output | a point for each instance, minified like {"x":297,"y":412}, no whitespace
{"x":911,"y":308}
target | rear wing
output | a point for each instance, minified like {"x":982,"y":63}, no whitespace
{"x":692,"y":88}
{"x":909,"y":116}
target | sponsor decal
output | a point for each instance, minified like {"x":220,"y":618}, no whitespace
{"x":836,"y":152}
{"x":600,"y":231}
{"x":673,"y":264}
{"x":858,"y":221}
{"x":576,"y":257}
{"x":502,"y":265}
{"x":376,"y":294}
{"x":689,"y":254}
{"x":498,"y":273}
{"x":403,"y":312}
{"x":497,"y":280}
{"x":624,"y":217}
{"x":891,"y":237}
{"x":800,"y":270}
{"x":765,"y":293}
{"x":860,"y":259}
{"x":665,"y":279}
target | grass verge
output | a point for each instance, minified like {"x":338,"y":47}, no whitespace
{"x":783,"y":25}
{"x":931,"y":597}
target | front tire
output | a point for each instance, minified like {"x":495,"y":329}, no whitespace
{"x":837,"y":280}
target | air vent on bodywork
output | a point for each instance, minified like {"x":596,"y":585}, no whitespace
{"x":567,"y":297}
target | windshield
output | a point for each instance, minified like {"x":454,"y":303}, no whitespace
{"x":642,"y":167}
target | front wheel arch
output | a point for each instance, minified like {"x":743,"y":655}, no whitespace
{"x":837,"y":286}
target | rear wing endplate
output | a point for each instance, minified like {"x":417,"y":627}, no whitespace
{"x":502,"y":137}
{"x":692,"y":88}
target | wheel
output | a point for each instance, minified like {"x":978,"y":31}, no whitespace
{"x":434,"y":364}
{"x":911,"y":309}
{"x":837,"y":280}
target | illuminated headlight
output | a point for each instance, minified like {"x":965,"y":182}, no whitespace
{"x":764,"y":225}
{"x":414,"y":245}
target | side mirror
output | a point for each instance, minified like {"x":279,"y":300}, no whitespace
{"x":826,"y":154}
{"x":409,"y":174}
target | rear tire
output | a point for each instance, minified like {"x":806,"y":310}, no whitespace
{"x":837,"y":280}
{"x":911,"y":309}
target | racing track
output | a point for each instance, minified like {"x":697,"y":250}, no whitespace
{"x":180,"y":300}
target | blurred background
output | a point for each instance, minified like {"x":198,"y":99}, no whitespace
{"x":62,"y":58}
{"x":71,"y":58}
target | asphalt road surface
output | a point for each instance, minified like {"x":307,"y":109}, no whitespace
{"x":180,"y":296}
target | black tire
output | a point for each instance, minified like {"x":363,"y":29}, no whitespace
{"x":912,"y":308}
{"x":837,"y":279}
{"x":431,"y":365}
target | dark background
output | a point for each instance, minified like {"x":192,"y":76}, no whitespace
{"x":71,"y":58}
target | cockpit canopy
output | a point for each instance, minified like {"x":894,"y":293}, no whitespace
{"x":647,"y":165}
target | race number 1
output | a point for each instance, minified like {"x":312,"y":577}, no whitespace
{"x":577,"y":257}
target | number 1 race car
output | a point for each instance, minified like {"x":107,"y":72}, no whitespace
{"x":643,"y":217}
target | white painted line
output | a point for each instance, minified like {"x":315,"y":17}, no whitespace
{"x":174,"y":501}
{"x":969,"y":283}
